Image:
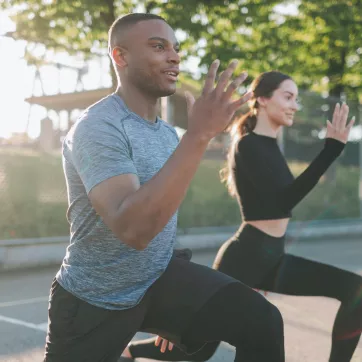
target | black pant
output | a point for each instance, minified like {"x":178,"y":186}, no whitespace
{"x":259,"y":261}
{"x":190,"y":304}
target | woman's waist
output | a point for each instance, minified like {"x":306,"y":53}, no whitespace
{"x":275,"y":228}
{"x":252,"y":243}
{"x":261,"y":231}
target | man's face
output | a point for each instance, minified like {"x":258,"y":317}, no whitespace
{"x":152,"y":58}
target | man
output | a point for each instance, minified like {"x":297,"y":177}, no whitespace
{"x":126,"y":175}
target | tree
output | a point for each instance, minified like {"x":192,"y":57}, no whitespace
{"x":312,"y":41}
{"x":331,"y":33}
{"x":80,"y":27}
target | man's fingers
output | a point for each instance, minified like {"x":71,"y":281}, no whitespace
{"x":190,"y":100}
{"x":225,"y":76}
{"x":210,"y":77}
{"x":170,"y":346}
{"x":234,"y":85}
{"x":239,"y":102}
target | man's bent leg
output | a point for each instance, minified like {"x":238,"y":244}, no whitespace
{"x":192,"y":305}
{"x":243,"y":318}
{"x":81,"y":332}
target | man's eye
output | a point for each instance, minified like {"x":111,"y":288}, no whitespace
{"x":159,"y":46}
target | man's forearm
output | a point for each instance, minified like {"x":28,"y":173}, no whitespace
{"x":145,"y":213}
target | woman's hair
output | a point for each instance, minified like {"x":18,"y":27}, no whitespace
{"x":262,"y":86}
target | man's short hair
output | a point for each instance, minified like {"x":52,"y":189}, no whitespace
{"x":126,"y":21}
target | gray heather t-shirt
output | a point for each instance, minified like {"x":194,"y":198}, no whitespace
{"x":110,"y":140}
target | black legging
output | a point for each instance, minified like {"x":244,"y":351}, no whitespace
{"x":256,"y":329}
{"x":259,"y":261}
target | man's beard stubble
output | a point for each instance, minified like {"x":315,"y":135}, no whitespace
{"x":147,"y":83}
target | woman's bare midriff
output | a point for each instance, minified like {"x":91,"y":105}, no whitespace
{"x":276,"y":228}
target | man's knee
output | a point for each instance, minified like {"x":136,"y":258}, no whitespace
{"x":269,"y":333}
{"x":267,"y":322}
{"x":276,"y":320}
{"x":258,"y":324}
{"x":205,"y":353}
{"x":263,"y":318}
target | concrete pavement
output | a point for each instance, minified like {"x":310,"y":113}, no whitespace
{"x":308,"y":320}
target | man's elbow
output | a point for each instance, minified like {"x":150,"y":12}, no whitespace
{"x":135,"y":235}
{"x":134,"y":240}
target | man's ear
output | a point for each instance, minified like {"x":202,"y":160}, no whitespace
{"x":119,"y":56}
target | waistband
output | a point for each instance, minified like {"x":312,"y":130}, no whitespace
{"x":252,"y":232}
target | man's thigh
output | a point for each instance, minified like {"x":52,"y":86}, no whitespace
{"x":178,"y":295}
{"x":79,"y":331}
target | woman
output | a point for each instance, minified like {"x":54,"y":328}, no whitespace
{"x":259,"y":178}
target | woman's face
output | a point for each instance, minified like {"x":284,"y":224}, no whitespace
{"x":281,"y":107}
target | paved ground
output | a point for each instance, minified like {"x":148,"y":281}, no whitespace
{"x":308,"y":320}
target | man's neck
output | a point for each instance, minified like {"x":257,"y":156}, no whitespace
{"x":146,"y":107}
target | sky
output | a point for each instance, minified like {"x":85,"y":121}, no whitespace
{"x":17,"y":81}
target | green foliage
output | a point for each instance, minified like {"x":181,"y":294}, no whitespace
{"x":34,"y":201}
{"x":32,"y":195}
{"x":207,"y":202}
{"x":333,"y":46}
{"x":72,"y":26}
{"x":319,"y":39}
{"x":330,"y":200}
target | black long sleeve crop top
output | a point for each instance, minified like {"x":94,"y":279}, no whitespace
{"x":265,"y":186}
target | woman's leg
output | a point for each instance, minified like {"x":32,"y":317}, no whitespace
{"x":299,"y":276}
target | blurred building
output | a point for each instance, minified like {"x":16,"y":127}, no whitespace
{"x":172,"y":109}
